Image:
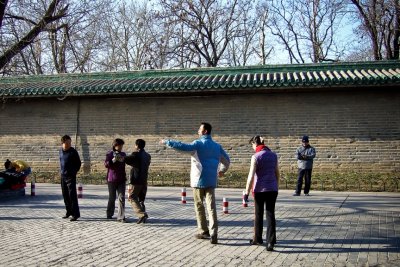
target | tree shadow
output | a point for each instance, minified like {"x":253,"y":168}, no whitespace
{"x":8,"y":218}
{"x":327,"y":245}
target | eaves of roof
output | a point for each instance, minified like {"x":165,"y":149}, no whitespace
{"x":206,"y":80}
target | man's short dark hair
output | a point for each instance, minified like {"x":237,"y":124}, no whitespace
{"x":140,"y":143}
{"x":207,"y":127}
{"x":65,"y":138}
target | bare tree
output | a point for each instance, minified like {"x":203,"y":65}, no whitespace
{"x":131,"y":37}
{"x":165,"y":48}
{"x":74,"y":39}
{"x":381,"y":22}
{"x":50,"y":12}
{"x":262,"y":14}
{"x":306,"y":28}
{"x":28,"y":60}
{"x":209,"y":25}
{"x":242,"y":48}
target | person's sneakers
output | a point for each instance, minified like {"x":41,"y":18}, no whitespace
{"x":307,"y":195}
{"x":296,"y":194}
{"x":205,"y":235}
{"x":66,"y":216}
{"x":73,"y":219}
{"x":255,"y":242}
{"x":214,"y":239}
{"x":270,"y":247}
{"x":109,"y":217}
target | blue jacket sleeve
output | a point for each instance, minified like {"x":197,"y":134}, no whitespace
{"x":182,"y":146}
{"x":225,"y":161}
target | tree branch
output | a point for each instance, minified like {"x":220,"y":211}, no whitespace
{"x":33,"y":33}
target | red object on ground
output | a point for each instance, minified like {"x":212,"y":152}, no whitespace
{"x":183,"y":195}
{"x":33,"y":193}
{"x":80,"y":191}
{"x":225,"y":205}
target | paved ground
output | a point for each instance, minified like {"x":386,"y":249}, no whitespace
{"x":325,"y":229}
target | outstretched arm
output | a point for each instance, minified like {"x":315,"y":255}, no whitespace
{"x":179,"y":145}
{"x":130,"y":160}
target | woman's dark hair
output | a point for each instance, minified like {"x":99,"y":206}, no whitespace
{"x":117,"y":142}
{"x":140,"y":143}
{"x":258,"y":140}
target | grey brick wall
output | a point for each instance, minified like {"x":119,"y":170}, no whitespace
{"x":351,"y":130}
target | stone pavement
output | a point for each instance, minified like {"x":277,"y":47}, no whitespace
{"x":324,"y":229}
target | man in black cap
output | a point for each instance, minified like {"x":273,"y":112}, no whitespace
{"x":305,"y":156}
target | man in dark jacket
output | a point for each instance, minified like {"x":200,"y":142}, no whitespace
{"x":305,"y":156}
{"x":70,"y":163}
{"x":140,"y":162}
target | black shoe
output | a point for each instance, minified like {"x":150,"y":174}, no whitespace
{"x":255,"y":242}
{"x":296,"y":194}
{"x":307,"y":195}
{"x":270,"y":247}
{"x":214,"y":239}
{"x":73,"y":219}
{"x":109,"y":217}
{"x":142,"y":219}
{"x":66,"y":216}
{"x":205,"y":235}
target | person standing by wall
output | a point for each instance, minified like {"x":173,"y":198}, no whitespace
{"x":70,"y":163}
{"x":305,"y":155}
{"x":263,"y":181}
{"x":116,"y":178}
{"x":206,"y":156}
{"x":140,"y":162}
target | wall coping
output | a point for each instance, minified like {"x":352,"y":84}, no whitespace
{"x":267,"y":78}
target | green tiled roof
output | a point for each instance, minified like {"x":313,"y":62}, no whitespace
{"x":205,"y":80}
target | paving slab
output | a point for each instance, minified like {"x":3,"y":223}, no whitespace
{"x":324,"y":229}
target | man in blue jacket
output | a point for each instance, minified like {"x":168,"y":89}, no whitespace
{"x":206,"y":156}
{"x":70,"y":163}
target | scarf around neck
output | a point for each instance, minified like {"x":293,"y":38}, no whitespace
{"x":260,"y":147}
